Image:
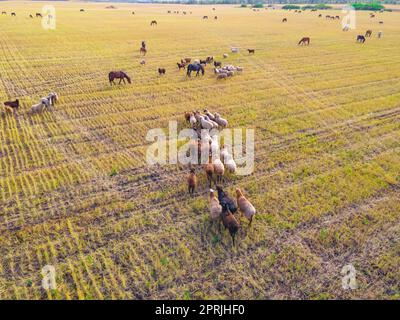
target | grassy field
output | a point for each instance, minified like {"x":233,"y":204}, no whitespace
{"x":76,"y":193}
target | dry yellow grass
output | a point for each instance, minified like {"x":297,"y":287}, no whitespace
{"x":75,"y":191}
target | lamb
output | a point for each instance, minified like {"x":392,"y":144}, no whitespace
{"x":245,"y":206}
{"x":215,"y":207}
{"x":235,"y":50}
{"x":229,"y":221}
{"x":192,"y":181}
{"x":225,"y":55}
{"x":221,"y":121}
{"x":219,"y":169}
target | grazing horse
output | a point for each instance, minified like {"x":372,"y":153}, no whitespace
{"x":153,"y":23}
{"x":380,"y":22}
{"x":195,"y":67}
{"x":205,"y":17}
{"x":284,"y":20}
{"x":368,"y":33}
{"x":181,"y":65}
{"x":12,"y":106}
{"x":118,"y":75}
{"x":251,"y":51}
{"x":320,"y":16}
{"x":30,"y":16}
{"x":327,"y":17}
{"x":143,"y":50}
{"x":215,"y":18}
{"x":82,"y":10}
{"x":161,"y":71}
{"x":3,"y":12}
{"x":38,"y":15}
{"x":13,"y":14}
{"x":133,"y":12}
{"x":360,"y":38}
{"x":305,"y":40}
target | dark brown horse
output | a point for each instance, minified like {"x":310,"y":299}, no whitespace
{"x":368,"y":33}
{"x":38,"y":15}
{"x":118,"y":75}
{"x":251,"y":51}
{"x":161,"y":71}
{"x":13,"y":14}
{"x":143,"y":50}
{"x":305,"y":40}
{"x":360,"y":38}
{"x":3,"y":12}
{"x":284,"y":20}
{"x":153,"y":23}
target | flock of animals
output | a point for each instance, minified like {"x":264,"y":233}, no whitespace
{"x":220,"y":161}
{"x":45,"y":103}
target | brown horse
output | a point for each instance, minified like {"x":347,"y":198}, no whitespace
{"x":3,"y":12}
{"x":251,"y":51}
{"x":368,"y":33}
{"x":161,"y":71}
{"x":153,"y":23}
{"x":118,"y":75}
{"x":284,"y":20}
{"x":305,"y":40}
{"x":143,"y":50}
{"x":13,"y":14}
{"x":38,"y":15}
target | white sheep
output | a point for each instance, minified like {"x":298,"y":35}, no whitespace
{"x":205,"y":124}
{"x":215,"y":125}
{"x":225,"y":55}
{"x":37,"y":108}
{"x":221,"y":121}
{"x":230,"y":164}
{"x":235,"y":50}
{"x":209,"y":115}
{"x":215,"y":144}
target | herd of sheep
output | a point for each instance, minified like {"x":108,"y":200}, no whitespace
{"x":220,"y":160}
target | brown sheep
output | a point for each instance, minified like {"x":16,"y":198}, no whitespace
{"x":219,"y":169}
{"x":192,"y":181}
{"x":215,"y":207}
{"x":209,"y":169}
{"x":245,"y":206}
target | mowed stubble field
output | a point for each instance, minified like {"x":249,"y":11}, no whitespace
{"x":76,"y":193}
